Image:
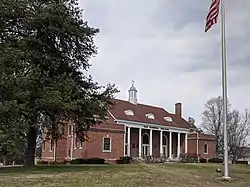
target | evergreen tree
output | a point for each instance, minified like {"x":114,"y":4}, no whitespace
{"x":45,"y":50}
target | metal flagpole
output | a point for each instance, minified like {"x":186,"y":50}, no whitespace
{"x":224,"y":89}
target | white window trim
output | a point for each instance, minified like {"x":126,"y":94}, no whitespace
{"x":129,"y":112}
{"x":150,"y":116}
{"x":80,"y":145}
{"x":204,"y":149}
{"x":168,"y":118}
{"x":75,"y":142}
{"x":106,"y":151}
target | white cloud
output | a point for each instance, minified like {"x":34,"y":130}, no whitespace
{"x":161,"y":44}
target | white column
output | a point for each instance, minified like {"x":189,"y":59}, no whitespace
{"x":161,"y":150}
{"x":151,"y":143}
{"x":179,"y":145}
{"x":186,"y":143}
{"x":128,"y":145}
{"x":170,"y":144}
{"x":125,"y":134}
{"x":140,"y":144}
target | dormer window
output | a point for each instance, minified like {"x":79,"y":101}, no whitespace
{"x":129,"y":112}
{"x":168,"y":118}
{"x":150,"y":116}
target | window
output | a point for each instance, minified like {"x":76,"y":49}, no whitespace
{"x":169,"y":119}
{"x":51,"y":145}
{"x":69,"y":153}
{"x":129,"y":112}
{"x":63,"y":129}
{"x":80,"y":144}
{"x":106,"y":144}
{"x":69,"y":130}
{"x":75,"y":143}
{"x":145,"y":138}
{"x":150,"y":116}
{"x":164,"y":140}
{"x":44,"y":143}
{"x":205,"y":149}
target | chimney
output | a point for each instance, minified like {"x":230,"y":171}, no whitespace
{"x":178,"y":109}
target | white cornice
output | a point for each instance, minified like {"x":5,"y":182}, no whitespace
{"x":154,"y":126}
{"x":112,"y":115}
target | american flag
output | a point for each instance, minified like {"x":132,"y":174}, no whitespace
{"x":212,"y":15}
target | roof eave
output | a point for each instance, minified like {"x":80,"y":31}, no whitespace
{"x":121,"y":121}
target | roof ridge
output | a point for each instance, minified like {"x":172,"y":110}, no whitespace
{"x":152,"y":106}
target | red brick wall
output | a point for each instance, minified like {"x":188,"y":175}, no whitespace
{"x":61,"y":150}
{"x":174,"y":144}
{"x":47,"y":154}
{"x":92,"y":147}
{"x":134,"y":142}
{"x":211,"y":148}
{"x":156,"y":143}
{"x":192,"y":146}
{"x":202,"y":140}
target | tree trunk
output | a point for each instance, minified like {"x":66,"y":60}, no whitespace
{"x":31,"y":149}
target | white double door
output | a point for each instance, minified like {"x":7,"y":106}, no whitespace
{"x":145,"y":149}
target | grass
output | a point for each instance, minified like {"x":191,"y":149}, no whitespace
{"x":135,"y":175}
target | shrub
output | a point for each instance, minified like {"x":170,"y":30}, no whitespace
{"x":203,"y":160}
{"x":78,"y":161}
{"x":88,"y":161}
{"x":241,"y":162}
{"x":119,"y":161}
{"x":58,"y":162}
{"x":189,"y":158}
{"x":124,"y":160}
{"x":96,"y":161}
{"x":42,"y":162}
{"x":215,"y":160}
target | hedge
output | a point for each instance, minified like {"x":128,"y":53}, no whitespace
{"x":189,"y":158}
{"x":88,"y":161}
{"x":43,"y":162}
{"x":124,"y":160}
{"x":215,"y":160}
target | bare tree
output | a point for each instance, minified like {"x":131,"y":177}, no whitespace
{"x":238,"y":132}
{"x":212,"y":121}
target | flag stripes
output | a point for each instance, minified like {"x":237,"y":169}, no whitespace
{"x":212,"y":15}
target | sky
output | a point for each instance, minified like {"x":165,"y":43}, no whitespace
{"x":162,"y":46}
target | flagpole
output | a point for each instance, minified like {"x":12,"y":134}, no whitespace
{"x":224,"y":89}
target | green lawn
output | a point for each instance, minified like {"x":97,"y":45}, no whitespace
{"x":134,"y":175}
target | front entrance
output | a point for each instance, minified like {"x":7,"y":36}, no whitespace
{"x":164,"y":146}
{"x":145,"y":144}
{"x":165,"y":151}
{"x":145,"y":150}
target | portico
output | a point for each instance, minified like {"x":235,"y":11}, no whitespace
{"x":154,"y":140}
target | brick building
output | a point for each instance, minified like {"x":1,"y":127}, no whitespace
{"x":135,"y":130}
{"x":201,"y":144}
